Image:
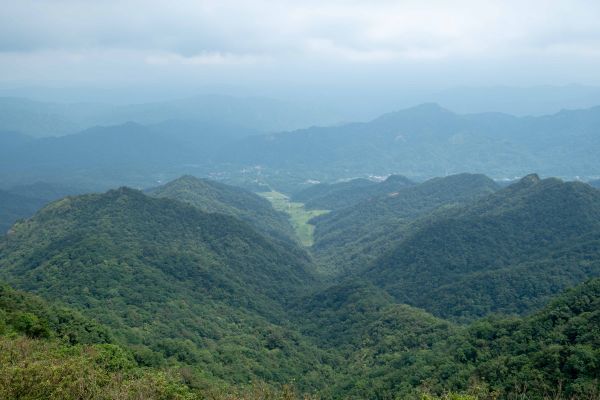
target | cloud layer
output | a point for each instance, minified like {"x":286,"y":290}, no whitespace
{"x":110,"y":40}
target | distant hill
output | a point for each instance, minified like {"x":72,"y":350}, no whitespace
{"x":350,"y":238}
{"x":428,"y":140}
{"x":46,"y":190}
{"x":14,"y":207}
{"x":22,"y":201}
{"x":41,"y":119}
{"x":507,"y":252}
{"x":172,"y":281}
{"x":343,"y":194}
{"x":595,"y":183}
{"x":418,"y":143}
{"x":102,"y":156}
{"x":107,"y":156}
{"x":214,"y":197}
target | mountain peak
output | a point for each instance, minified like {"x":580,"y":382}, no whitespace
{"x":530,"y":179}
{"x":425,"y":111}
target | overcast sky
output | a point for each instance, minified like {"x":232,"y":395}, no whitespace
{"x":302,"y":43}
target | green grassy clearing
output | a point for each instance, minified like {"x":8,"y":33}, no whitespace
{"x":299,"y":216}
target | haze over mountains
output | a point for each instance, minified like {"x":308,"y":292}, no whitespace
{"x":419,"y":143}
{"x":221,"y":247}
{"x":40,"y":119}
{"x":300,"y":200}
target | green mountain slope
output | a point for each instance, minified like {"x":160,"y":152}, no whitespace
{"x":173,"y":282}
{"x":214,"y":197}
{"x":506,"y":252}
{"x":396,"y":351}
{"x":339,"y":195}
{"x":52,"y":352}
{"x":350,"y":238}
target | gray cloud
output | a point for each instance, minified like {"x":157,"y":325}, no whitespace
{"x":311,"y":40}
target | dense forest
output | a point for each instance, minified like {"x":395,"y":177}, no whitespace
{"x":450,"y":288}
{"x":299,"y":200}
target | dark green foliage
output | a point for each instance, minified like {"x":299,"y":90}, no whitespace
{"x":145,"y":297}
{"x":555,"y":351}
{"x":526,"y":242}
{"x":171,"y":280}
{"x":351,"y":238}
{"x":27,"y":314}
{"x":214,"y":197}
{"x":395,"y":351}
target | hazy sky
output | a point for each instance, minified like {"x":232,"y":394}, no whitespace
{"x":303,"y":43}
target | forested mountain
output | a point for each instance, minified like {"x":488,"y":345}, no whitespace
{"x":352,"y":237}
{"x":53,"y":352}
{"x":214,"y":197}
{"x":595,"y":183}
{"x":508,"y":252}
{"x":418,"y":143}
{"x":396,"y":351}
{"x":14,"y":207}
{"x":197,"y":289}
{"x":101,"y":157}
{"x":127,"y":145}
{"x":173,"y":282}
{"x":334,"y":196}
{"x":428,"y":140}
{"x":178,"y":299}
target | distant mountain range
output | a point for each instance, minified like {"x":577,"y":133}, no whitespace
{"x":418,"y":143}
{"x":14,"y":206}
{"x":428,"y":140}
{"x":40,"y":119}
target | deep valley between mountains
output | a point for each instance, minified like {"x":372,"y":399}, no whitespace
{"x":403,"y":289}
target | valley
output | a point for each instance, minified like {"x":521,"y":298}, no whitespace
{"x":197,"y":289}
{"x":299,"y":216}
{"x":299,"y":200}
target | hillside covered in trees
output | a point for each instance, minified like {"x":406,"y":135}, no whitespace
{"x":184,"y":292}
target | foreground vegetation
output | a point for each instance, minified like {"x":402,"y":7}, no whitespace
{"x":143,"y":297}
{"x":391,"y":352}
